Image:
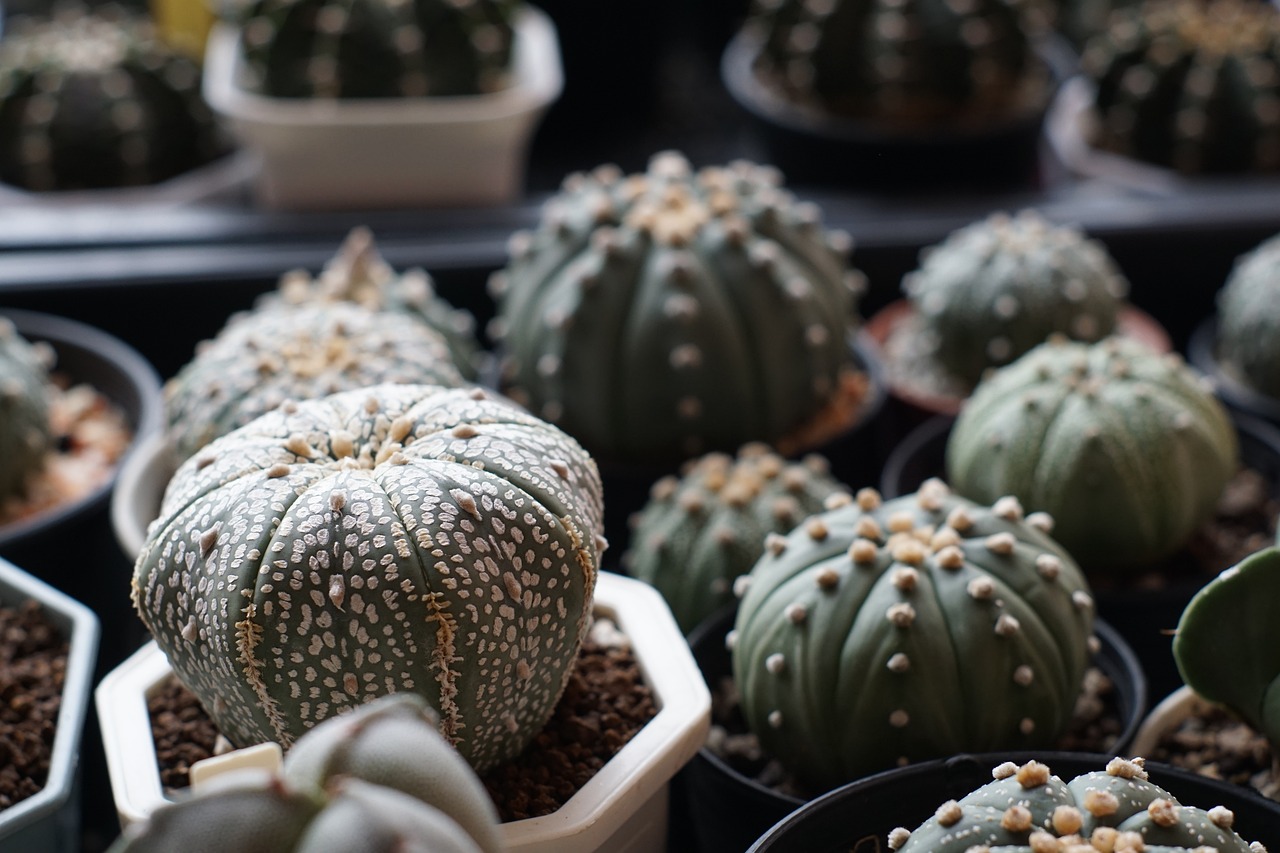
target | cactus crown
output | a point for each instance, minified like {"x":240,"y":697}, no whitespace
{"x":1029,"y":809}
{"x":663,"y":315}
{"x":1249,"y":317}
{"x":891,"y":606}
{"x":90,"y":101}
{"x":377,"y":48}
{"x":25,"y":432}
{"x":1189,"y":85}
{"x":1125,"y":447}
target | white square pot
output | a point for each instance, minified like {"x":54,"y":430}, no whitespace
{"x":390,"y":152}
{"x":622,"y":809}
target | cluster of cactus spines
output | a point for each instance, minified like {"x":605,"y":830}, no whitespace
{"x":25,"y":432}
{"x":700,"y":531}
{"x":379,"y":778}
{"x":90,"y":101}
{"x":398,"y":538}
{"x":1126,"y":448}
{"x":998,"y":287}
{"x":663,"y":315}
{"x":1190,"y":85}
{"x":1249,"y":317}
{"x":908,"y":64}
{"x":883,"y":632}
{"x":377,"y":48}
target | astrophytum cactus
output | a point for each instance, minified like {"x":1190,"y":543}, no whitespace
{"x":877,"y":633}
{"x":659,"y":316}
{"x":1189,"y":84}
{"x":996,"y":288}
{"x":1126,"y":448}
{"x":1117,"y":810}
{"x":401,"y":538}
{"x":377,"y":48}
{"x":25,"y":432}
{"x":90,"y":101}
{"x":703,"y":529}
{"x":1249,"y":319}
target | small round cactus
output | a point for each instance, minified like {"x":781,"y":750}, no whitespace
{"x":1125,"y":448}
{"x":1029,"y":809}
{"x":882,"y":632}
{"x":996,"y":288}
{"x":91,"y":101}
{"x":699,"y":532}
{"x":1249,"y":318}
{"x":400,"y":538}
{"x":1189,"y":85}
{"x":659,"y":316}
{"x":377,"y":48}
{"x":25,"y":432}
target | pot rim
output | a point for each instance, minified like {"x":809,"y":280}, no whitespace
{"x":1202,"y":352}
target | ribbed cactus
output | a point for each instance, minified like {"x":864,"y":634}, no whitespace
{"x":700,"y":531}
{"x":401,"y":538}
{"x":659,"y":316}
{"x":376,"y":48}
{"x":379,"y":778}
{"x":911,"y":65}
{"x":1189,"y":84}
{"x":1249,"y":319}
{"x":89,"y":101}
{"x":996,"y":288}
{"x":914,"y":628}
{"x":1125,"y":448}
{"x":25,"y":433}
{"x":1029,"y":809}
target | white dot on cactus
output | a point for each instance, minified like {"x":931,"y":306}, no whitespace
{"x":1081,"y":599}
{"x":775,"y":544}
{"x":686,"y":356}
{"x":902,"y":614}
{"x":950,"y":557}
{"x":981,"y":588}
{"x":741,"y":584}
{"x":190,"y":631}
{"x":901,"y":522}
{"x":905,"y":579}
{"x":1048,"y":566}
{"x":899,"y":718}
{"x":1023,"y":675}
{"x":1008,"y":508}
{"x":827,"y":579}
{"x":817,"y":529}
{"x":680,"y":306}
{"x":816,"y":335}
{"x":1222,"y":817}
{"x":999,"y":349}
{"x":898,"y":837}
{"x":1094,"y":645}
{"x":899,"y":663}
{"x":775,"y":719}
{"x":1004,"y":770}
{"x":775,"y":663}
{"x":949,"y":813}
{"x":730,"y":640}
{"x":836,"y":500}
{"x":868,"y":499}
{"x":1041,"y":521}
{"x":1001,"y":544}
{"x":796,"y":613}
{"x":959,"y":519}
{"x":337,"y":591}
{"x":908,"y":551}
{"x":863,"y":551}
{"x":548,"y":364}
{"x":466,"y":502}
{"x":1006,"y":625}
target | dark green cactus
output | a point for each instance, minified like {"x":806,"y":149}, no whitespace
{"x":915,"y":628}
{"x":1249,"y":317}
{"x":1126,"y":448}
{"x":700,"y":531}
{"x":401,"y":538}
{"x":659,"y":316}
{"x":1028,"y":809}
{"x":25,"y":433}
{"x":1190,"y":85}
{"x":996,"y":288}
{"x":377,"y":48}
{"x":90,"y":101}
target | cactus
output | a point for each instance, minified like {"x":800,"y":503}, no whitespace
{"x":25,"y":432}
{"x":659,"y":316}
{"x":878,"y":633}
{"x":996,"y":288}
{"x":1189,"y":85}
{"x":1125,"y":448}
{"x":906,"y":65}
{"x":700,"y":531}
{"x":377,"y":48}
{"x":400,"y":538}
{"x":1248,"y":317}
{"x":91,"y":101}
{"x":1028,"y":809}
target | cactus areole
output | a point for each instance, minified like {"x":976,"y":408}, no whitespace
{"x":396,"y":538}
{"x":877,"y":633}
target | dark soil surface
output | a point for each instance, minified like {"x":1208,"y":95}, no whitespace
{"x":33,"y":668}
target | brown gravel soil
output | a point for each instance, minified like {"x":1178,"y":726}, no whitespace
{"x":603,"y":706}
{"x":33,"y":667}
{"x":1219,"y":745}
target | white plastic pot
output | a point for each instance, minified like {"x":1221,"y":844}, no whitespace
{"x":1173,"y":710}
{"x":140,"y":485}
{"x":390,"y":152}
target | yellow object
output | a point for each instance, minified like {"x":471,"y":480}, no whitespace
{"x":184,"y":24}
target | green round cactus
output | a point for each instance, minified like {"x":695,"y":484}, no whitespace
{"x":1028,"y":809}
{"x":920,"y":627}
{"x":91,"y":101}
{"x":376,"y":48}
{"x":658,"y":316}
{"x":1249,"y":319}
{"x":699,"y":532}
{"x":25,"y":433}
{"x":996,"y":288}
{"x":400,"y":538}
{"x":1189,"y":85}
{"x":1125,"y":448}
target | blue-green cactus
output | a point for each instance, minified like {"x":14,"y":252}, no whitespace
{"x":25,"y":432}
{"x":1249,"y":319}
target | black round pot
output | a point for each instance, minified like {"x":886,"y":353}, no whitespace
{"x":1202,"y":353}
{"x":733,"y":810}
{"x":860,"y":816}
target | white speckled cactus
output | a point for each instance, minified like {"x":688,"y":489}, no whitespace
{"x":392,"y":539}
{"x":25,"y":433}
{"x":1028,"y":809}
{"x":1249,"y":319}
{"x":916,"y":628}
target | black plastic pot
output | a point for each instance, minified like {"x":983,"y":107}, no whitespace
{"x":860,"y":816}
{"x":733,"y":810}
{"x":1202,"y":353}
